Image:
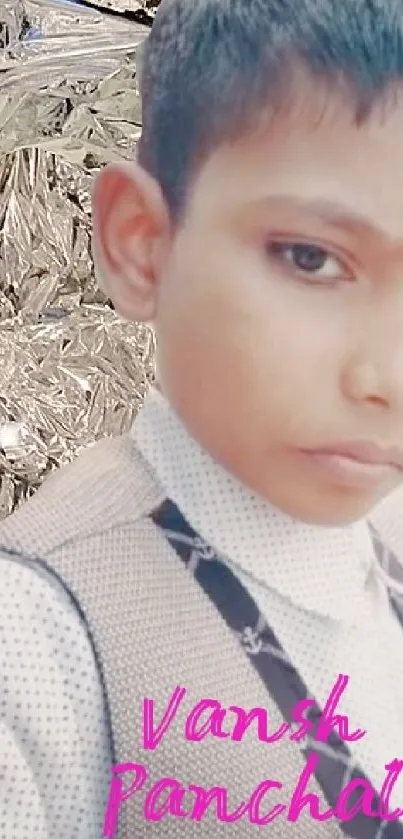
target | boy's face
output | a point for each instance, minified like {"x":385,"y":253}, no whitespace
{"x":279,"y":304}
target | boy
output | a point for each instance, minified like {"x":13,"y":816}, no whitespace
{"x":212,"y":603}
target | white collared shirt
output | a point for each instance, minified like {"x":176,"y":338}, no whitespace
{"x":55,"y":754}
{"x":316,"y":586}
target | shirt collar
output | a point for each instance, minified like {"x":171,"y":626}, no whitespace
{"x":320,"y":569}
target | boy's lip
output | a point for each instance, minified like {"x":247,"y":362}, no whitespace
{"x":361,"y":465}
{"x":365,"y":452}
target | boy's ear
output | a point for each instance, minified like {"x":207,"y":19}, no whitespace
{"x":131,"y":236}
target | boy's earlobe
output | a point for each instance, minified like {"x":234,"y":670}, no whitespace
{"x":130,"y":229}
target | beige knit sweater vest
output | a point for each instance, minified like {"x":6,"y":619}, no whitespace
{"x":154,"y":629}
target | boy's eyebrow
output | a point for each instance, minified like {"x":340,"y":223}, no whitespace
{"x":332,"y":213}
{"x":339,"y":216}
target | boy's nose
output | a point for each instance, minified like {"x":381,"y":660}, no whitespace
{"x":374,"y":374}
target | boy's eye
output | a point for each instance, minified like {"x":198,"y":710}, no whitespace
{"x":310,"y":259}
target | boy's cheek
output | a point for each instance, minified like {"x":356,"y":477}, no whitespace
{"x":222,"y":341}
{"x":243,"y":350}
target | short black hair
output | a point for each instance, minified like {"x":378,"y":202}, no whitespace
{"x":209,"y":65}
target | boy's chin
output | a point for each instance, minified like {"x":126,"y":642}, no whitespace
{"x":331,"y":507}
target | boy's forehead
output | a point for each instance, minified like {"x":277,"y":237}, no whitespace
{"x":317,"y":155}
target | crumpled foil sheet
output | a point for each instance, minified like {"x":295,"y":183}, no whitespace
{"x":143,"y":10}
{"x":71,"y":371}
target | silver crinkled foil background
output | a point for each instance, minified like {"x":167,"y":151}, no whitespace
{"x":70,"y":370}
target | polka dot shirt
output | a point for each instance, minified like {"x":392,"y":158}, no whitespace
{"x":55,"y":756}
{"x":317,"y":587}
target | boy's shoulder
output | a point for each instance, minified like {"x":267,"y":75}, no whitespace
{"x":108,"y":485}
